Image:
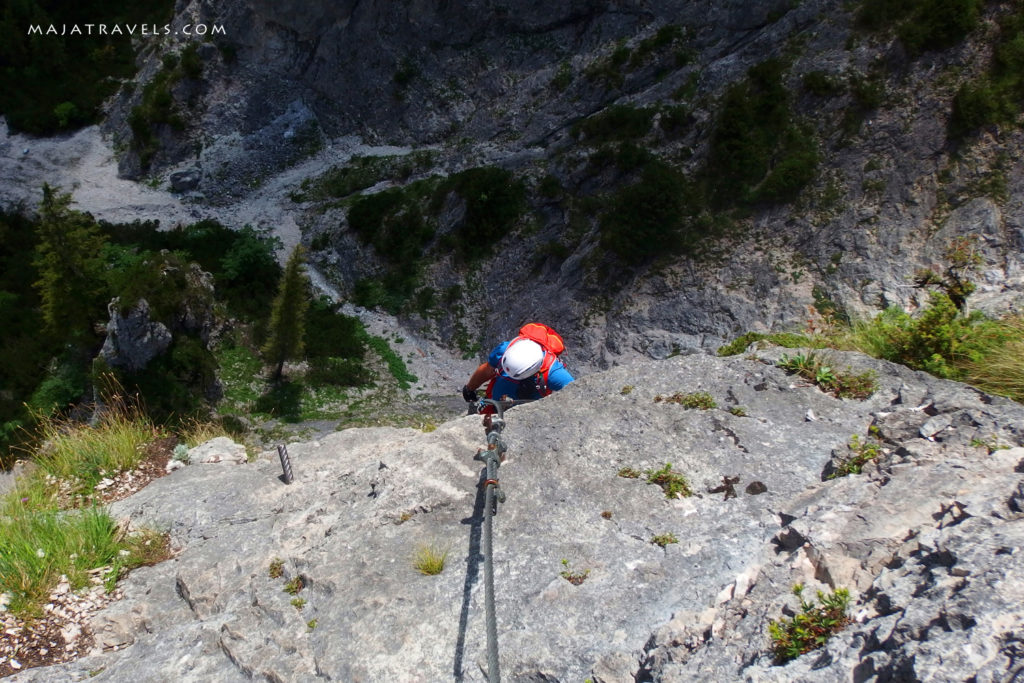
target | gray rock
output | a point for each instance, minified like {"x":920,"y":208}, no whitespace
{"x":185,"y":181}
{"x":132,"y":338}
{"x":928,"y":548}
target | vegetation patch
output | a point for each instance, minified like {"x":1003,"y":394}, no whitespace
{"x":758,"y":153}
{"x":811,"y":627}
{"x":700,"y":400}
{"x":157,"y":106}
{"x":816,"y":369}
{"x":862,"y":452}
{"x":360,"y":173}
{"x":52,"y":83}
{"x":573,"y":576}
{"x":787,"y":340}
{"x":664,"y":539}
{"x":429,"y":559}
{"x":672,"y":483}
{"x":995,"y":96}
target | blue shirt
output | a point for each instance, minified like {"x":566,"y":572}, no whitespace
{"x":527,"y":388}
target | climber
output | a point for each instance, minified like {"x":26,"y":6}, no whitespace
{"x":526,"y":367}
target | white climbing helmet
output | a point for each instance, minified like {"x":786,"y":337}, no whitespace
{"x":522,"y":358}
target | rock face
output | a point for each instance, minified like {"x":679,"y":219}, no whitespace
{"x":927,"y":539}
{"x":132,"y":338}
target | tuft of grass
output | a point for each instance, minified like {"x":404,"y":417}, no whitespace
{"x":83,"y":454}
{"x":786,"y":340}
{"x":862,"y":453}
{"x":811,"y":627}
{"x":664,"y":539}
{"x":738,"y":411}
{"x":276,"y":569}
{"x":672,"y":483}
{"x":695,"y":400}
{"x":39,"y":543}
{"x":298,"y":603}
{"x":814,"y":368}
{"x":1001,"y":369}
{"x":626,"y":390}
{"x":429,"y":559}
{"x":294,"y":585}
{"x":629,"y":473}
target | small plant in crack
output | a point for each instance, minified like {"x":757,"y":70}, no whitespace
{"x":276,"y":570}
{"x":629,"y":473}
{"x":293,"y":586}
{"x":664,"y":539}
{"x":701,"y":400}
{"x":811,"y":627}
{"x":862,"y":453}
{"x":738,"y":411}
{"x":672,"y":483}
{"x":298,"y":603}
{"x":573,"y":576}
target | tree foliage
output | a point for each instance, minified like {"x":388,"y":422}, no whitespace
{"x":286,"y":332}
{"x":70,"y":267}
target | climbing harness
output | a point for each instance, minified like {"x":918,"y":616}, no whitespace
{"x":492,"y":458}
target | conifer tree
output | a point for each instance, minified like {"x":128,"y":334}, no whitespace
{"x":288,"y":314}
{"x":69,"y":262}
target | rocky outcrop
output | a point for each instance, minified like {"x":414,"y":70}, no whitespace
{"x":132,"y":338}
{"x":926,"y":538}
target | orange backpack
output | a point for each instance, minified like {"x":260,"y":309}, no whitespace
{"x":552,"y":344}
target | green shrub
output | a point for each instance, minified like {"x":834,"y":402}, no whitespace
{"x":821,"y":84}
{"x":651,"y":217}
{"x":993,"y":98}
{"x":495,"y":199}
{"x":939,"y":340}
{"x":811,"y":627}
{"x":939,"y":24}
{"x":757,"y":153}
{"x":616,"y":123}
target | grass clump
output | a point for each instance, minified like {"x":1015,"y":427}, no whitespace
{"x":700,"y":400}
{"x":276,"y":569}
{"x":787,"y":340}
{"x":862,"y":452}
{"x":672,"y":483}
{"x":294,"y":585}
{"x":815,"y":368}
{"x":664,"y":539}
{"x":83,"y":454}
{"x":429,"y":559}
{"x":629,"y":473}
{"x":811,"y":627}
{"x":42,"y":540}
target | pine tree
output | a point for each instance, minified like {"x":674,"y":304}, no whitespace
{"x":70,"y":266}
{"x":288,"y":314}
